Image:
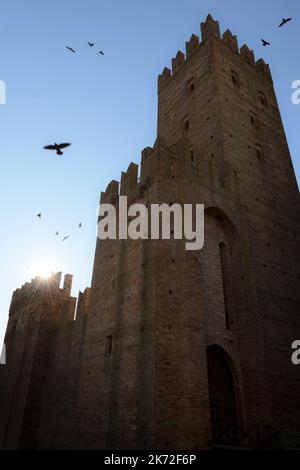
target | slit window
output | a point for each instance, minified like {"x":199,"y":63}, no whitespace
{"x":235,"y":78}
{"x":263,"y":99}
{"x":253,"y":119}
{"x":226,"y":282}
{"x":259,"y":153}
{"x":108,"y":346}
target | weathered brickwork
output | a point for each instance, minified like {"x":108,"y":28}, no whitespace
{"x":131,"y":370}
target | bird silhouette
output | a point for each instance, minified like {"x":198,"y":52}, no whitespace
{"x":265,"y":43}
{"x":66,"y":238}
{"x":101,"y":52}
{"x":80,"y":225}
{"x":57,"y":147}
{"x":91,"y":44}
{"x":71,"y":49}
{"x":39,"y":215}
{"x":285,"y":21}
{"x":57,"y":233}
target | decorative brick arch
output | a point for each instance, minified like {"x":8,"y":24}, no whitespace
{"x":225,"y":221}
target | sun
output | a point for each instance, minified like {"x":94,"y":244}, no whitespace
{"x":44,"y":271}
{"x":42,"y":268}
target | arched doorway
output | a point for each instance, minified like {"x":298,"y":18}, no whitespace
{"x":222,"y":397}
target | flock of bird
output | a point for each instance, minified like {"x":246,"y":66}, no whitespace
{"x":59,"y":147}
{"x":283,"y":23}
{"x":91,"y":44}
{"x":40,"y":216}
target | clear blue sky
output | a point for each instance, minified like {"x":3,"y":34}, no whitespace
{"x":106,"y":106}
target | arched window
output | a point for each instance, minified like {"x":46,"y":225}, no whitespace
{"x":222,"y":397}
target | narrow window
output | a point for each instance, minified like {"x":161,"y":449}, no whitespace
{"x":263,"y":99}
{"x":225,"y":270}
{"x":108,"y":346}
{"x":253,"y":119}
{"x":235,"y":78}
{"x":186,"y":125}
{"x":259,"y":153}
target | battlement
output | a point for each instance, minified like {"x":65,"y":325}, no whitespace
{"x":83,"y":304}
{"x":211,"y":29}
{"x":130,"y":182}
{"x":157,"y":160}
{"x":33,"y":291}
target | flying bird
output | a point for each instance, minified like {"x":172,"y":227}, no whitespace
{"x":57,"y":147}
{"x":91,"y":44}
{"x":101,"y":52}
{"x":285,"y":21}
{"x":71,"y":49}
{"x":39,"y":215}
{"x":80,"y":225}
{"x":57,"y":233}
{"x":265,"y":43}
{"x":66,"y":238}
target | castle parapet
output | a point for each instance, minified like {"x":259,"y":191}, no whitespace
{"x":111,"y":193}
{"x":178,"y":62}
{"x":164,"y":78}
{"x":264,"y":68}
{"x":83,"y":304}
{"x":56,"y":279}
{"x":247,"y":54}
{"x":231,"y":40}
{"x":68,"y":279}
{"x":192,"y":46}
{"x":210,"y":28}
{"x":129,"y":179}
{"x":41,"y":290}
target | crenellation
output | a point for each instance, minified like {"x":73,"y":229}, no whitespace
{"x":83,"y":304}
{"x":129,"y":179}
{"x":247,"y":54}
{"x":111,"y":193}
{"x":67,"y":287}
{"x":231,"y":41}
{"x":146,"y":153}
{"x":192,"y":46}
{"x":56,"y":279}
{"x":164,"y":78}
{"x":149,"y":164}
{"x":261,"y":66}
{"x":178,"y":62}
{"x":210,"y":28}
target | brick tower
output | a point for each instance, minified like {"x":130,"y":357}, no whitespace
{"x":43,"y":345}
{"x":183,"y":349}
{"x":176,"y":349}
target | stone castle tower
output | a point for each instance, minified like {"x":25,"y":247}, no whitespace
{"x":176,"y":349}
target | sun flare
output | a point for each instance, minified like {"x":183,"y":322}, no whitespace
{"x":42,"y":268}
